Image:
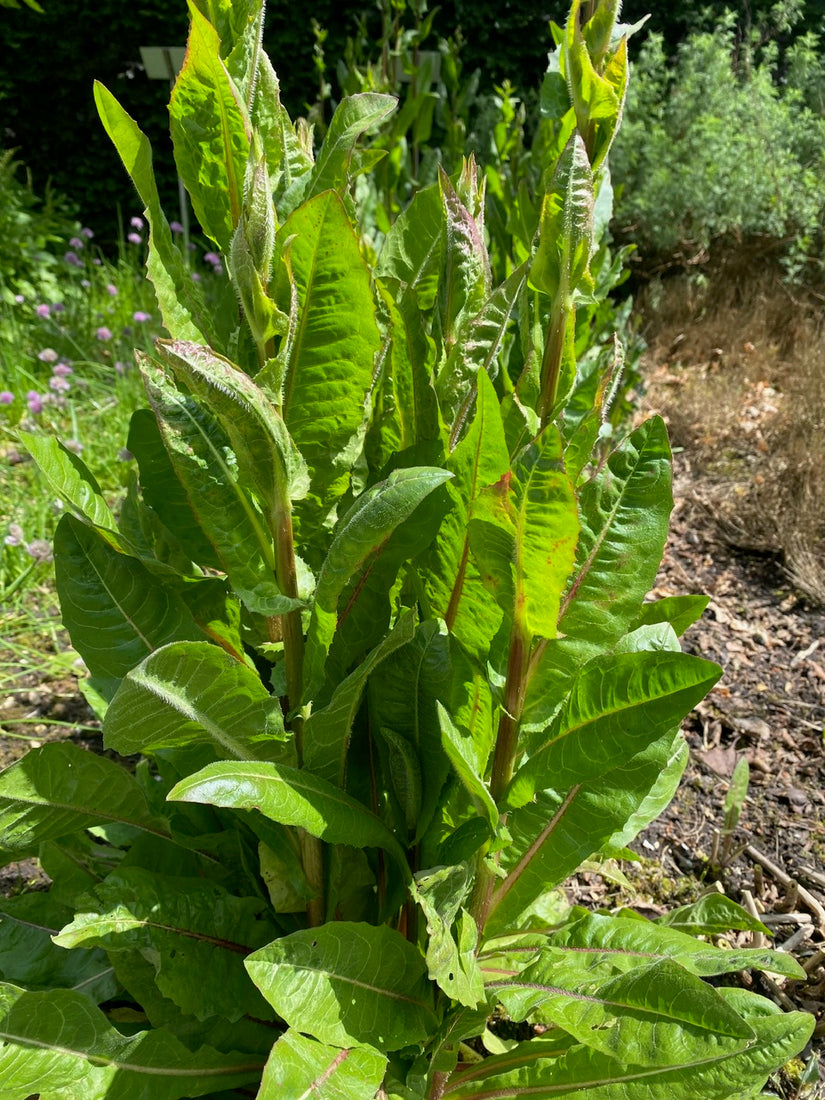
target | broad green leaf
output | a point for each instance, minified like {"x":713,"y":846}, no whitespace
{"x":186,"y":928}
{"x":657,"y":799}
{"x":680,"y":611}
{"x":617,"y":706}
{"x":163,"y":492}
{"x":414,"y":246}
{"x":327,"y":731}
{"x":451,"y":962}
{"x":70,"y":478}
{"x":60,"y":789}
{"x":714,"y":914}
{"x":361,"y":532}
{"x":403,"y":706}
{"x":624,"y":513}
{"x":57,"y":1044}
{"x":460,"y":755}
{"x":353,"y":116}
{"x":450,"y":576}
{"x":209,"y":133}
{"x":405,"y":403}
{"x":204,"y":464}
{"x":290,"y":796}
{"x":137,"y":976}
{"x":348,"y":984}
{"x":607,"y":945}
{"x":654,"y":1007}
{"x":325,"y":363}
{"x":523,"y":533}
{"x":114,"y":609}
{"x":546,"y":1069}
{"x":302,"y":1067}
{"x":555,"y":832}
{"x":29,"y":957}
{"x":267,"y":457}
{"x":184,"y":314}
{"x":287,"y":156}
{"x":191,"y":692}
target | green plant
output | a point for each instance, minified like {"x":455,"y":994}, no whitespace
{"x":373,"y":616}
{"x":735,"y":797}
{"x":717,"y":145}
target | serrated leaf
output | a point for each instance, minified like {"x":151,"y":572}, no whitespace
{"x":291,"y":796}
{"x":60,"y":789}
{"x":209,"y":133}
{"x":348,"y":984}
{"x":302,"y":1067}
{"x":624,"y":513}
{"x":186,"y":928}
{"x":190,"y":693}
{"x":58,"y":1044}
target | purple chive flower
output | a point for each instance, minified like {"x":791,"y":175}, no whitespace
{"x":111,"y":289}
{"x":104,"y":333}
{"x":140,"y":315}
{"x":35,"y":402}
{"x":40,"y":550}
{"x":195,"y":277}
{"x":61,"y":369}
{"x":58,"y":307}
{"x":86,"y":232}
{"x":135,"y":238}
{"x":97,"y":261}
{"x":127,"y":330}
{"x":176,"y":227}
{"x":59,"y":385}
{"x":73,"y":259}
{"x":120,"y":368}
{"x":43,"y":310}
{"x":19,"y":299}
{"x":77,"y":242}
{"x":15,"y":536}
{"x":85,"y":284}
{"x":47,"y":355}
{"x":6,"y":397}
{"x":136,"y":223}
{"x":211,"y":258}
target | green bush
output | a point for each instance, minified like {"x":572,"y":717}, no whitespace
{"x":714,"y":145}
{"x":31,"y":232}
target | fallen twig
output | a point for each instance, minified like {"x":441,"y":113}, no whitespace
{"x":805,"y":896}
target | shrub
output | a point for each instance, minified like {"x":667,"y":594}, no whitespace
{"x":715,"y":145}
{"x":373,"y":615}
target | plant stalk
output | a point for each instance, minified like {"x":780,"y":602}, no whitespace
{"x":552,"y":358}
{"x":504,"y":758}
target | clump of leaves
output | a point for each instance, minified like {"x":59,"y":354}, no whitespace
{"x":373,"y":616}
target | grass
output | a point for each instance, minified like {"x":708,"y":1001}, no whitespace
{"x":66,"y":369}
